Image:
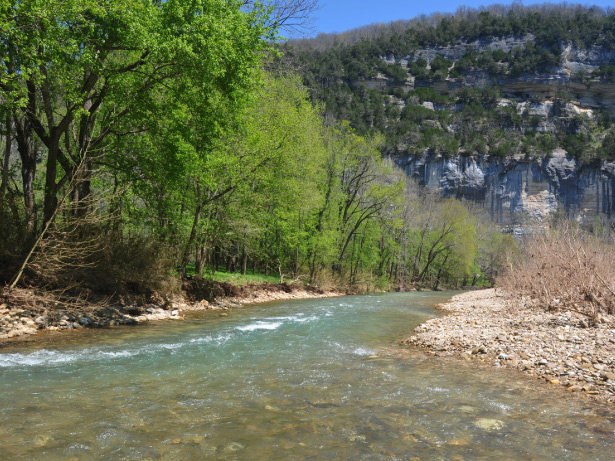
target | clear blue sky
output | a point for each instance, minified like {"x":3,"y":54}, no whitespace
{"x":341,"y":15}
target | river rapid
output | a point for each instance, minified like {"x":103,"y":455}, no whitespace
{"x":308,"y":379}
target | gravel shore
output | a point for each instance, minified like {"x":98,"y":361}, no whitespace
{"x":562,"y":348}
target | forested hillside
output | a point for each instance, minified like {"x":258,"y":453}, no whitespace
{"x":500,"y":81}
{"x":145,"y":147}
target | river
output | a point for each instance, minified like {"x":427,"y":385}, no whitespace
{"x":308,"y":379}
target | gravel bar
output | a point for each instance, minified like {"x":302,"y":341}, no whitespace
{"x":563,"y":348}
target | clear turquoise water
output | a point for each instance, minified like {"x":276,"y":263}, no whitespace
{"x":311,"y":379}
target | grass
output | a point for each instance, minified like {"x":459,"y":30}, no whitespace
{"x":235,"y":278}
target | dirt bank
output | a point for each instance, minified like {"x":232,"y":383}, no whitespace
{"x":560,"y":347}
{"x":24,"y":313}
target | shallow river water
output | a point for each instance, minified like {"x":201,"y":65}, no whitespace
{"x":311,"y":379}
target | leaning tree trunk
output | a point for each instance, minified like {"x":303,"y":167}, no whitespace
{"x":435,"y":286}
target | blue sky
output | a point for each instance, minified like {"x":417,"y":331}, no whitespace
{"x":341,"y":15}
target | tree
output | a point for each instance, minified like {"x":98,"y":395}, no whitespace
{"x":293,"y":16}
{"x":445,"y":243}
{"x":366,"y":182}
{"x":77,"y":74}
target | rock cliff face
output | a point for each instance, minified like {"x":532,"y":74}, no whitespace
{"x":514,"y":190}
{"x":560,"y":79}
{"x":565,"y":101}
{"x":517,"y":192}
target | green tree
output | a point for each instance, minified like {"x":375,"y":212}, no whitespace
{"x":76,"y":74}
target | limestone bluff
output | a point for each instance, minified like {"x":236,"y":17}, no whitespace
{"x":511,"y":107}
{"x":516,"y":190}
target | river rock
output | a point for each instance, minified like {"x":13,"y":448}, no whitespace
{"x":489,"y":425}
{"x":85,"y":321}
{"x":549,"y":345}
{"x":233,"y":446}
{"x":608,"y":376}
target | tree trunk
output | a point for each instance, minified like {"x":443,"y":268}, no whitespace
{"x":216,"y":260}
{"x":200,"y":259}
{"x":23,"y":136}
{"x":82,"y":190}
{"x":244,"y":259}
{"x":191,"y":239}
{"x":229,"y":264}
{"x":417,"y":258}
{"x":5,"y":163}
{"x":435,"y":286}
{"x":313,"y":268}
{"x":118,"y":209}
{"x":50,"y":201}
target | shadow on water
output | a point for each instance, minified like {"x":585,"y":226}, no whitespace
{"x":313,"y":379}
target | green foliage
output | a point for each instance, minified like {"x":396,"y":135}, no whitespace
{"x":329,"y":68}
{"x":425,"y":93}
{"x":156,"y":121}
{"x":439,"y":64}
{"x":608,"y":145}
{"x":395,"y":71}
{"x":236,"y":278}
{"x":606,"y":72}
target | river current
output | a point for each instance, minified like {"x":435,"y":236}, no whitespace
{"x":309,"y":379}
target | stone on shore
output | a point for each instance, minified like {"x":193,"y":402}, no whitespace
{"x":562,"y":347}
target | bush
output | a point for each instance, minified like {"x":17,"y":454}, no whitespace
{"x":86,"y":261}
{"x":565,"y":269}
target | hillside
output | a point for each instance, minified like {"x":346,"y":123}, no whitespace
{"x":497,"y":84}
{"x":499,"y":81}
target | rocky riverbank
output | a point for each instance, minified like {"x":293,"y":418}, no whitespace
{"x":25,"y":313}
{"x":562,"y":348}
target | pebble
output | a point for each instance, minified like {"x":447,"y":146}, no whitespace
{"x":559,"y":347}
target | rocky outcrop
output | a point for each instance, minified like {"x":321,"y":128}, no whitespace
{"x":561,"y":79}
{"x":516,"y":191}
{"x":455,"y":52}
{"x":593,"y":95}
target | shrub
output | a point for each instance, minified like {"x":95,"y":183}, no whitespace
{"x":86,"y":261}
{"x":565,"y":269}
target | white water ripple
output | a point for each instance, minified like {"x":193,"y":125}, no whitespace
{"x":46,"y":357}
{"x":260,"y":326}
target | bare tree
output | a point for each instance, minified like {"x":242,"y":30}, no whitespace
{"x":295,"y":17}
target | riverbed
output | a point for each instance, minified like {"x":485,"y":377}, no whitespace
{"x":315,"y":379}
